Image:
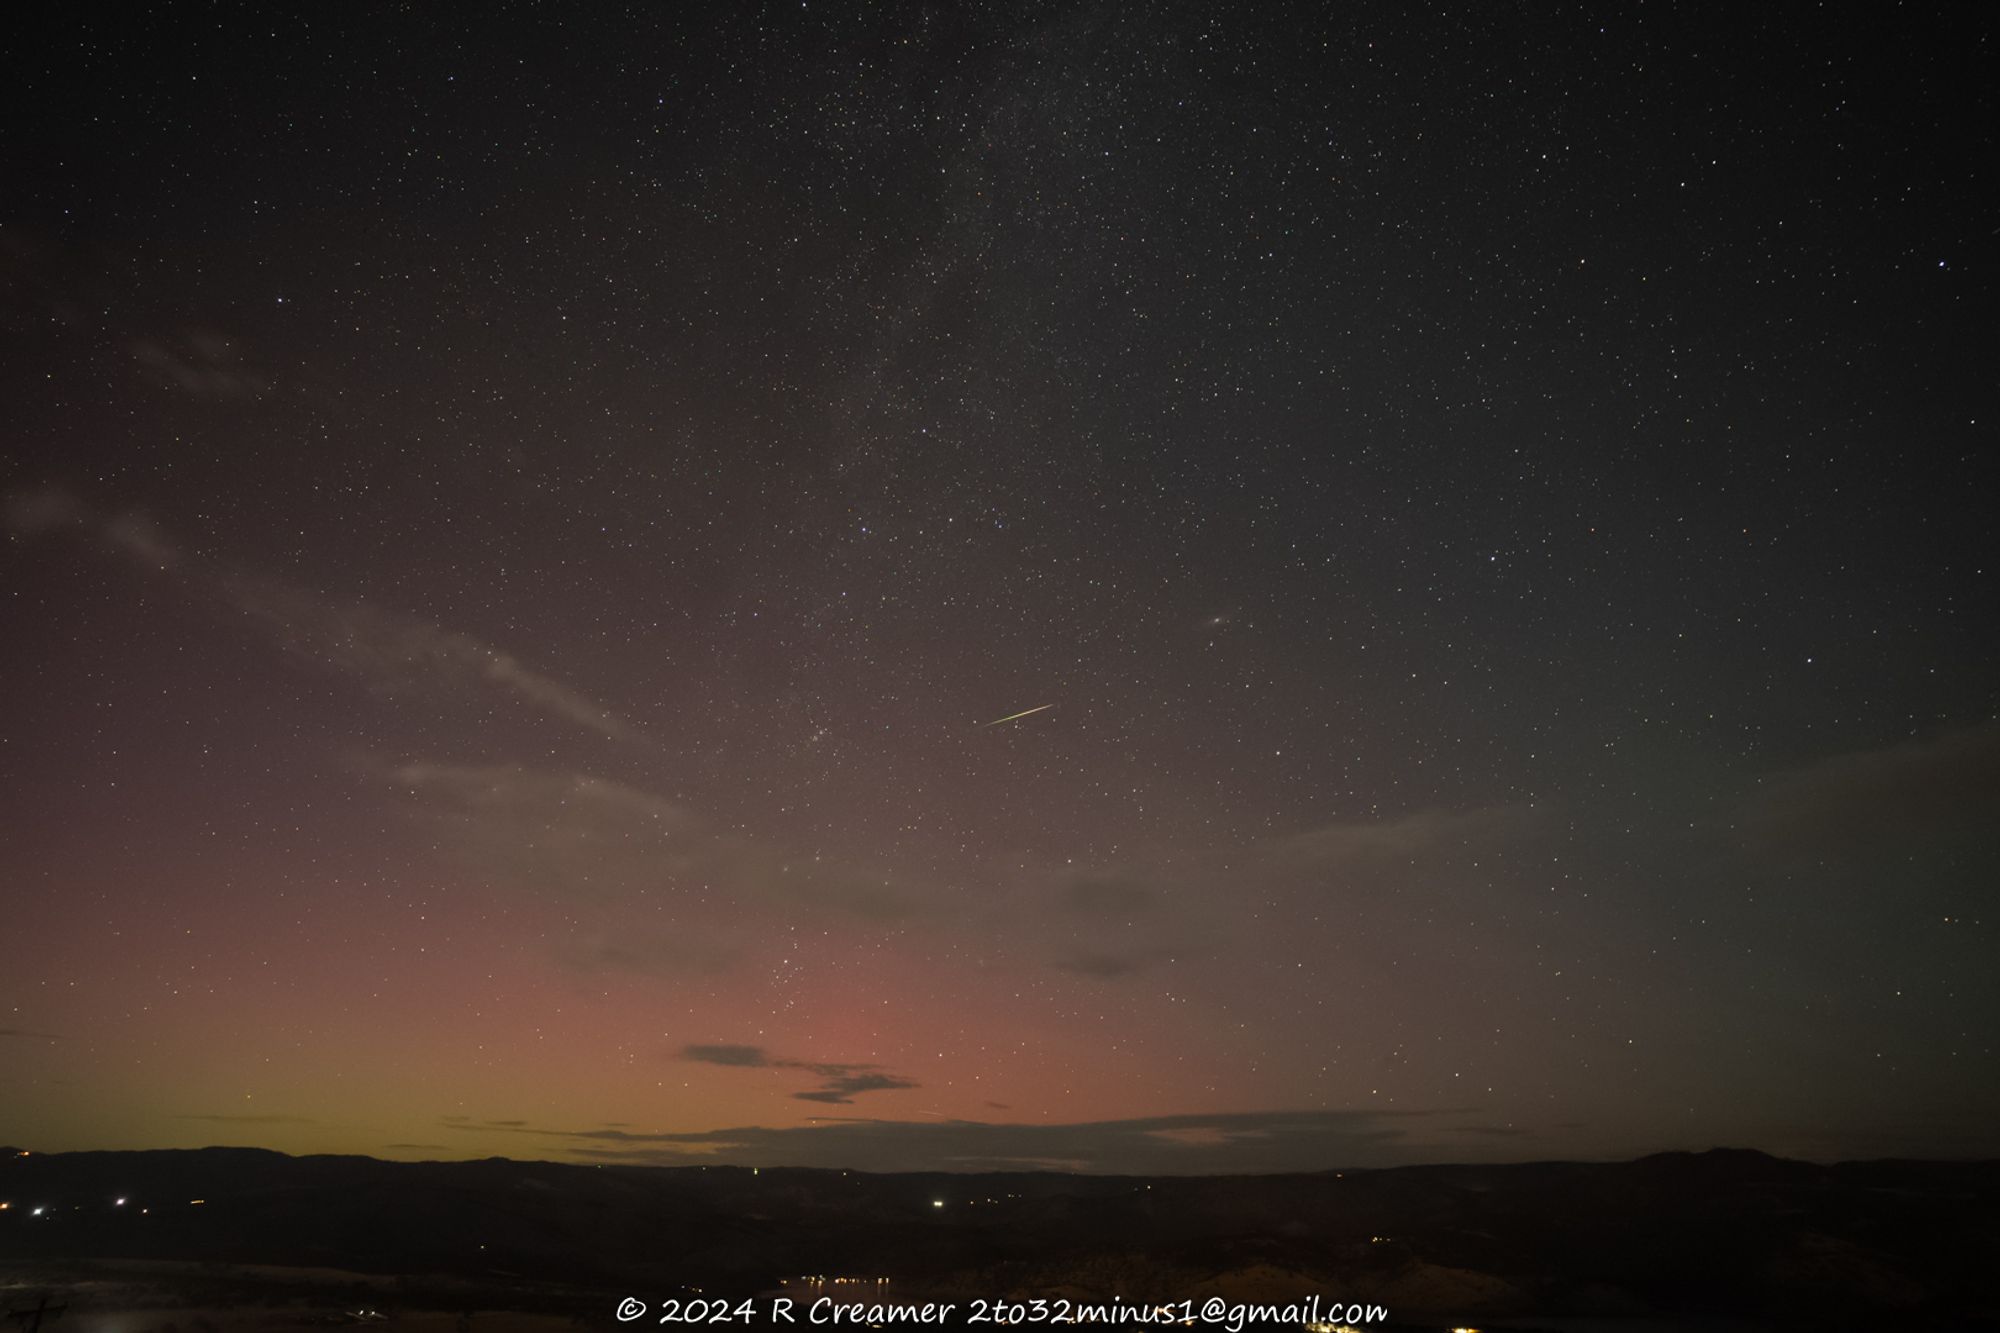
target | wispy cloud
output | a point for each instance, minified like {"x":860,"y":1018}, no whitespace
{"x":1206,"y":1135}
{"x":839,"y":1083}
{"x":670,"y":891}
{"x":734,"y":1057}
{"x":1361,"y":843}
{"x":246,"y":1119}
{"x":591,"y":837}
{"x":384,"y":649}
{"x":840,"y":1089}
{"x":200,"y":362}
{"x":33,"y":513}
{"x":1919,"y":789}
{"x":391,"y":651}
{"x":1247,"y":1142}
{"x":552,"y":832}
{"x":1125,"y":919}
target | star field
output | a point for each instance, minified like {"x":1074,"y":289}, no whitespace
{"x":519,"y":533}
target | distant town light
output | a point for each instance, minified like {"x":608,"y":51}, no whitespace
{"x":120,"y":1204}
{"x":937,"y":1203}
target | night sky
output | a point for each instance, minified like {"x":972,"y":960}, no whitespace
{"x":521,"y":527}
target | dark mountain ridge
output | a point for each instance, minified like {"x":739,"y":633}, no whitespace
{"x":1722,"y":1232}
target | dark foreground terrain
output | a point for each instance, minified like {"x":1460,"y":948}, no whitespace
{"x":229,"y":1238}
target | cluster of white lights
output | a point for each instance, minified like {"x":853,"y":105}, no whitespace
{"x":7,"y":1205}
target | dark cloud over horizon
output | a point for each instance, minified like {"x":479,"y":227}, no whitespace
{"x":1167,"y":1145}
{"x":841,"y":1083}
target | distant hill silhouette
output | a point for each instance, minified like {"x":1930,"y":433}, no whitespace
{"x":1710,"y":1233}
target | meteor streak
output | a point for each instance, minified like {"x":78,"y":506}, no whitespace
{"x":1011,"y":716}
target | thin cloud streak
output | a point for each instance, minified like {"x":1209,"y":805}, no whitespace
{"x":592,"y":838}
{"x":1919,"y":789}
{"x":1232,"y":1143}
{"x":386,"y":650}
{"x":841,"y":1083}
